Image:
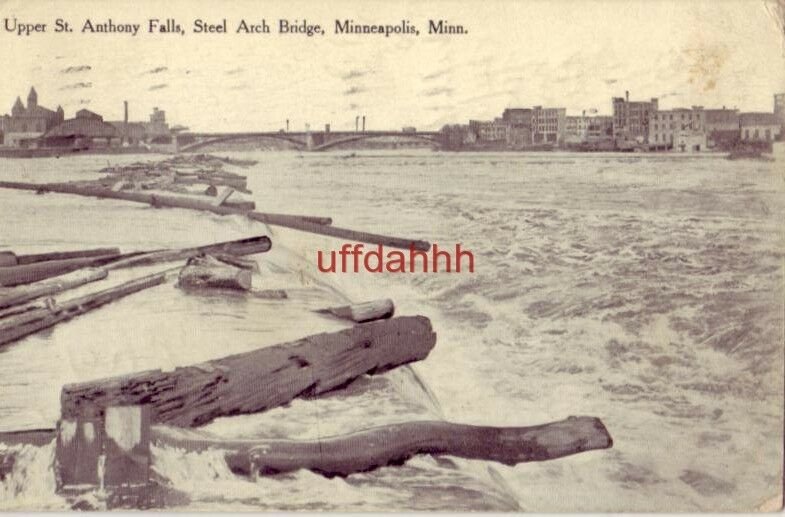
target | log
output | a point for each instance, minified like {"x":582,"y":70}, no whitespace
{"x":222,"y":196}
{"x":258,"y":380}
{"x":248,"y":246}
{"x":394,"y":444}
{"x":7,"y":258}
{"x":210,"y":273}
{"x":28,"y":273}
{"x":342,"y":233}
{"x":63,"y":255}
{"x":16,"y":327}
{"x":361,"y":312}
{"x":22,"y":294}
{"x":302,"y":223}
{"x":248,"y":206}
{"x":36,"y":437}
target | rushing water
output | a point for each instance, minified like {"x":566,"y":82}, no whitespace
{"x":645,"y":290}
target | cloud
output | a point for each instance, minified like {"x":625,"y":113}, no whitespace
{"x":84,"y":101}
{"x":157,"y":70}
{"x":234,"y":71}
{"x":354,"y":90}
{"x":76,"y":86}
{"x":76,"y":69}
{"x":437,"y":74}
{"x":438,"y":91}
{"x":353,"y":74}
{"x":158,"y":86}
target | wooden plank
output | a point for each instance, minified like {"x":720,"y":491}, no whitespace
{"x":64,"y":255}
{"x":77,"y":452}
{"x":127,"y":446}
{"x":393,"y":444}
{"x":25,"y":293}
{"x":261,"y":379}
{"x":28,"y":273}
{"x":362,"y":312}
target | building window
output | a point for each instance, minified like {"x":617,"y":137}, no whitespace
{"x":768,"y":134}
{"x":755,"y":135}
{"x":746,"y":134}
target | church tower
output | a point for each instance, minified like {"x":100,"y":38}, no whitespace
{"x":32,"y":99}
{"x":19,"y":109}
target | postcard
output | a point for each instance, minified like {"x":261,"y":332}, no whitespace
{"x":389,"y":256}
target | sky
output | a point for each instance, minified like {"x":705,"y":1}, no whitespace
{"x":573,"y":54}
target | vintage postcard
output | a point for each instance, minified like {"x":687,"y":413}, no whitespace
{"x":392,"y":256}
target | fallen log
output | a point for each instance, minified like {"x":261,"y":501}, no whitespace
{"x":7,"y":258}
{"x":37,"y":437}
{"x":394,"y":444}
{"x":258,"y":380}
{"x":16,"y":327}
{"x":48,"y":287}
{"x":28,"y":273}
{"x":210,"y":273}
{"x":152,"y":199}
{"x":63,"y":255}
{"x":248,"y":246}
{"x":361,"y":312}
{"x":319,"y":226}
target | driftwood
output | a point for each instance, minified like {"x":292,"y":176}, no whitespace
{"x":63,"y":255}
{"x":28,"y":273}
{"x":317,"y":225}
{"x":393,"y":444}
{"x":258,"y":380}
{"x":211,"y":273}
{"x":361,"y":312}
{"x":124,"y":437}
{"x":22,"y":294}
{"x":15,"y":327}
{"x":156,"y":200}
{"x":248,"y":246}
{"x":7,"y":258}
{"x":222,"y":196}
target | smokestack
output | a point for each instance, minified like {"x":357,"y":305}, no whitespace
{"x":357,"y":123}
{"x":125,"y":108}
{"x":287,"y":125}
{"x":363,"y":123}
{"x":627,"y":95}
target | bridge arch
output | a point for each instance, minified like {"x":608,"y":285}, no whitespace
{"x":356,"y":138}
{"x":221,"y":139}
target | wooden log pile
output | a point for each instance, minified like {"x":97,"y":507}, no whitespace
{"x":27,"y":308}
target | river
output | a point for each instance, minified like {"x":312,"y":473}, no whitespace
{"x":646,"y":290}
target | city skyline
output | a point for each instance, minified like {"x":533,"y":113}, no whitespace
{"x":590,"y":59}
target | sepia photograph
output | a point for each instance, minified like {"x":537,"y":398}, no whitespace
{"x":392,"y":256}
